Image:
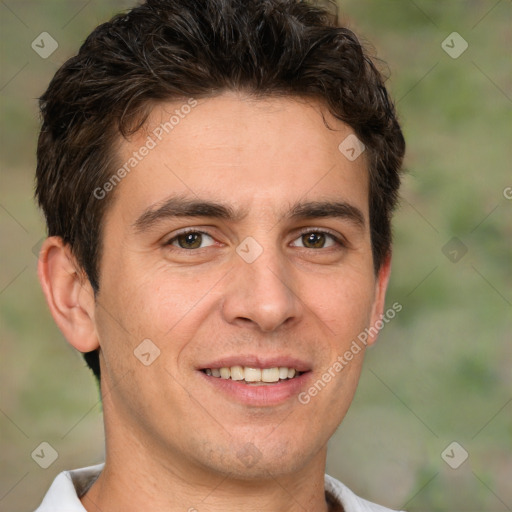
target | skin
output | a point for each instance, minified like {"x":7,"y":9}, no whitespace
{"x":172,"y":440}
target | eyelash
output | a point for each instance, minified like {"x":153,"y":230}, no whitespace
{"x":337,"y":240}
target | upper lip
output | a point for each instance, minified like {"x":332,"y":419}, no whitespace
{"x":255,"y":361}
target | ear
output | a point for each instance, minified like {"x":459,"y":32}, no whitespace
{"x":381,"y":285}
{"x":69,"y":294}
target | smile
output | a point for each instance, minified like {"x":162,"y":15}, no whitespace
{"x":254,"y":376}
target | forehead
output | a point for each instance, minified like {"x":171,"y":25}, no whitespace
{"x":251,"y":151}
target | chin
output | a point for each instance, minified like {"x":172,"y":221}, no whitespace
{"x":260,"y":461}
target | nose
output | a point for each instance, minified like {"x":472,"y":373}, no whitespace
{"x":261,"y":293}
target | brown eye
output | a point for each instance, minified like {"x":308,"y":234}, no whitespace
{"x":317,"y":240}
{"x":314,"y":240}
{"x":189,"y":240}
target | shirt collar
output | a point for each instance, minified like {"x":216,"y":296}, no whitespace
{"x":69,"y":486}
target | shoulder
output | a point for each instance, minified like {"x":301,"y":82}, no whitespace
{"x":342,"y":495}
{"x":65,"y":491}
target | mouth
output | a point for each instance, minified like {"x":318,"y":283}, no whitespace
{"x":254,"y":376}
{"x":256,"y":383}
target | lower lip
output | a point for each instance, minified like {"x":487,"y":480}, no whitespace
{"x":259,"y":395}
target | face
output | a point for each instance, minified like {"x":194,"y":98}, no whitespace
{"x":240,"y":240}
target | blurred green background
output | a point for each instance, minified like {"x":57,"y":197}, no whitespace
{"x":441,"y":371}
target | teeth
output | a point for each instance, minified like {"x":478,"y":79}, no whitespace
{"x":270,"y":375}
{"x":253,"y":374}
{"x":237,"y":373}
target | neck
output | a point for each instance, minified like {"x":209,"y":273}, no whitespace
{"x":135,"y":477}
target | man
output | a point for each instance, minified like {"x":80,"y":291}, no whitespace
{"x":218,"y":179}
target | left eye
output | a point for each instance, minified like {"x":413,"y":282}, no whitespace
{"x":189,"y":240}
{"x":317,"y":240}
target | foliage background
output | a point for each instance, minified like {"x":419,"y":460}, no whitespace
{"x":441,"y":371}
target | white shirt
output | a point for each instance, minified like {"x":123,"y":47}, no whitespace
{"x":63,"y":495}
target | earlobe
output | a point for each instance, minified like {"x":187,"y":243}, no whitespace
{"x":68,"y":293}
{"x":381,"y":286}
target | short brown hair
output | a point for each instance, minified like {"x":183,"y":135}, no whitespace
{"x":165,"y":50}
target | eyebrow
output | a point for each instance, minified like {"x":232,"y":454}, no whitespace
{"x":178,"y":206}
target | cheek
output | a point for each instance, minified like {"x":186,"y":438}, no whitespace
{"x":162,"y":303}
{"x":344,"y":305}
{"x":171,"y":299}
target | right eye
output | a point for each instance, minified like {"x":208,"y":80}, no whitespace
{"x":190,"y":239}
